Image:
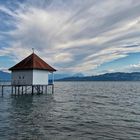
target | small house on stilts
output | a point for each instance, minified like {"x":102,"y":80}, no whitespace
{"x":31,"y":76}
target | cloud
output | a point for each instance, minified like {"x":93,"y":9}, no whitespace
{"x":128,"y":68}
{"x":75,"y":36}
{"x":132,"y":68}
{"x":135,"y":67}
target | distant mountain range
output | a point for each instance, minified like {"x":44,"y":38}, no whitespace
{"x":61,"y":76}
{"x":4,"y":76}
{"x":118,"y":76}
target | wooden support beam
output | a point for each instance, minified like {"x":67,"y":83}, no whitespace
{"x":23,"y":89}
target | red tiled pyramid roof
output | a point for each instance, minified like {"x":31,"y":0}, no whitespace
{"x":32,"y":62}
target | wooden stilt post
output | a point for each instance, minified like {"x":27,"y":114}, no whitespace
{"x":22,"y":90}
{"x":15,"y":90}
{"x":42,"y":89}
{"x":46,"y":90}
{"x":18,"y":90}
{"x":32,"y":89}
{"x":38,"y":89}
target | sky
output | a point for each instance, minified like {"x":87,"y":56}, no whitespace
{"x":74,"y":36}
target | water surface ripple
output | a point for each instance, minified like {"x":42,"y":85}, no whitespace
{"x":77,"y":111}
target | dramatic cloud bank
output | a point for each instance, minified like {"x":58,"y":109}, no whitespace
{"x":73,"y":35}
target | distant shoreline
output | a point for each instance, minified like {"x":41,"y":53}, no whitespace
{"x":94,"y":81}
{"x":118,"y":76}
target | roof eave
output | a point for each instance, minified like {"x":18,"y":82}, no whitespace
{"x":12,"y":69}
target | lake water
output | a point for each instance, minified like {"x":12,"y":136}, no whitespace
{"x":77,"y":111}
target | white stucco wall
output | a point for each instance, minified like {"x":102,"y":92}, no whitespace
{"x":40,"y":77}
{"x":30,"y":77}
{"x":22,"y":77}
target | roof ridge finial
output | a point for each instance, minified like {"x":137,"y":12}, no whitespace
{"x":33,"y":50}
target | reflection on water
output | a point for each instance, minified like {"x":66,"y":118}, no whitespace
{"x":21,"y":109}
{"x":77,"y":110}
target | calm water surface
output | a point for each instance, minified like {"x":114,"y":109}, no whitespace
{"x":77,"y":111}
